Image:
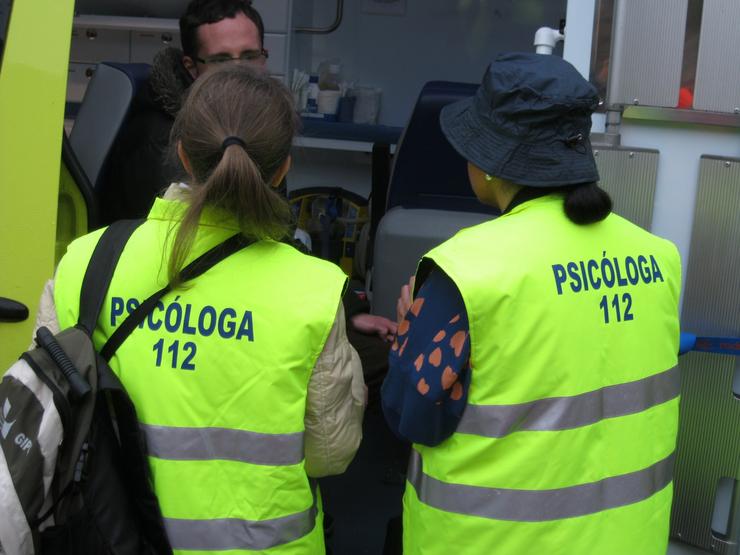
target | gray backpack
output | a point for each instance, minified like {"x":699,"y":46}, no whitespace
{"x":73,"y":471}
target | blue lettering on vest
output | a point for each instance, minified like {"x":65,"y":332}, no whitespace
{"x":559,"y":272}
{"x":116,"y":309}
{"x":227,"y":329}
{"x":206,"y":329}
{"x":606,"y":265}
{"x":610,"y":272}
{"x":575,"y":283}
{"x":595,"y":282}
{"x":620,"y":280}
{"x":131,"y":305}
{"x":154,"y":325}
{"x":186,"y":327}
{"x":642,"y":263}
{"x":633,"y":275}
{"x":173,"y":316}
{"x":657,"y":274}
{"x":583,"y":273}
{"x":245,"y":329}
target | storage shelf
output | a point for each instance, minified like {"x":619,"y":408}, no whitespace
{"x":126,"y":23}
{"x":350,"y":131}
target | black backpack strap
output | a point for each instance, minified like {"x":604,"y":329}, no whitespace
{"x":100,"y":271}
{"x":134,"y":465}
{"x":197,"y":267}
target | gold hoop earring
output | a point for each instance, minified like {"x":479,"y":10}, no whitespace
{"x":489,"y":177}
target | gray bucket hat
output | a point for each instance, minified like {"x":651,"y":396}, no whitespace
{"x":529,"y":122}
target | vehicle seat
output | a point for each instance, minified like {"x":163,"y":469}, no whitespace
{"x":103,"y":110}
{"x":429,"y":196}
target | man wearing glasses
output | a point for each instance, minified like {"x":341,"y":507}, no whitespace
{"x":212,"y":32}
{"x":209,"y":39}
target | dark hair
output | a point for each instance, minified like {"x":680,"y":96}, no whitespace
{"x":586,"y":203}
{"x":234,"y":101}
{"x":200,"y":12}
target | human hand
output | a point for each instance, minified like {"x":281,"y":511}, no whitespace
{"x":404,"y":301}
{"x":375,"y":325}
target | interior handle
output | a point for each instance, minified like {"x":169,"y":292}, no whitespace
{"x":12,"y":311}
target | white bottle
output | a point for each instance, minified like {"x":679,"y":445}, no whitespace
{"x":312,"y":102}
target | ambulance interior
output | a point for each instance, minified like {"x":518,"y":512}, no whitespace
{"x":377,"y":188}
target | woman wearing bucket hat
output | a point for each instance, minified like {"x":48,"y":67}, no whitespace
{"x":536,"y":368}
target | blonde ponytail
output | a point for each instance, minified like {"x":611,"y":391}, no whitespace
{"x":236,"y":129}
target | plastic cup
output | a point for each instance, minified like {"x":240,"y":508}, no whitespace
{"x":328,"y":102}
{"x":367,"y":105}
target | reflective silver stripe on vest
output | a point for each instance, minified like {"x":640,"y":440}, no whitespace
{"x":198,"y":444}
{"x":563,"y":413}
{"x":540,"y":505}
{"x":232,"y":533}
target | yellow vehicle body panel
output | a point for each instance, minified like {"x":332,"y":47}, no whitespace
{"x":33,"y":80}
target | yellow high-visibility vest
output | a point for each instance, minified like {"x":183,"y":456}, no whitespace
{"x":219,"y":375}
{"x":566,"y":445}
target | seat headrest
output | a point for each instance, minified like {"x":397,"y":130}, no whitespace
{"x":106,"y":103}
{"x":138,"y":74}
{"x":427,"y":171}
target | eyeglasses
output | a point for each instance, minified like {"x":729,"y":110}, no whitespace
{"x":248,"y":56}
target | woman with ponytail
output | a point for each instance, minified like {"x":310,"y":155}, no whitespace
{"x":244,"y":383}
{"x":535,"y":366}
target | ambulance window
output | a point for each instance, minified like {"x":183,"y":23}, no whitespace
{"x":690,"y":54}
{"x":602,"y":43}
{"x":4,"y":19}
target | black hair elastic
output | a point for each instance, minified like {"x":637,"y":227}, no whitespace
{"x":232,"y":140}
